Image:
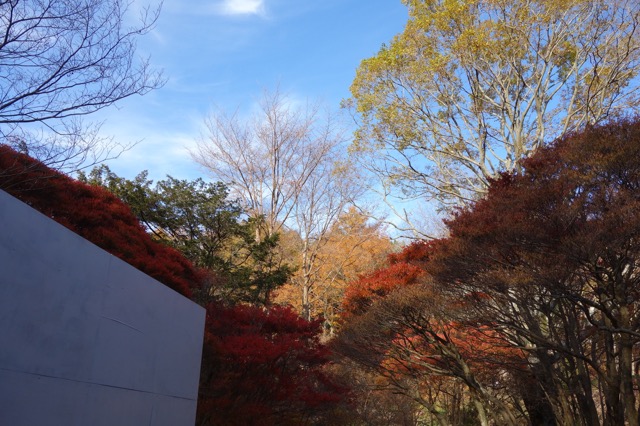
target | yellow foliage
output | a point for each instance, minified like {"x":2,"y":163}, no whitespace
{"x":504,"y":76}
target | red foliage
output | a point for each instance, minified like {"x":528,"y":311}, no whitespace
{"x":525,"y":286}
{"x":417,"y":253}
{"x":556,"y":248}
{"x":405,"y":268}
{"x":263,"y":366}
{"x":97,"y":215}
{"x":259,"y":366}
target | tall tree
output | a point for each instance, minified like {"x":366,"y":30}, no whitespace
{"x":470,"y":87}
{"x":270,"y":158}
{"x":286,"y":166}
{"x":63,"y":59}
{"x":260,"y":365}
{"x":543,"y":269}
{"x":577,"y":316}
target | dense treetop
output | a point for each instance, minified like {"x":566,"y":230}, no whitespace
{"x":97,"y":215}
{"x":530,"y":305}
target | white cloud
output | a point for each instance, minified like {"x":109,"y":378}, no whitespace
{"x":242,"y":7}
{"x":206,"y":8}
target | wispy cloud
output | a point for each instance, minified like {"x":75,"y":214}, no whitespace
{"x":205,"y":8}
{"x":242,"y":7}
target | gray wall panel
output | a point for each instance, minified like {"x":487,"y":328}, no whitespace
{"x":84,"y":337}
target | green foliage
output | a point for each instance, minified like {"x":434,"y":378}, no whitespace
{"x":197,"y":218}
{"x":260,"y":365}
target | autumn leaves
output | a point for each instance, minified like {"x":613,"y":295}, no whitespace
{"x":528,"y":310}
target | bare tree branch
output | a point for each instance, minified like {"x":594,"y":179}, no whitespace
{"x":63,"y":59}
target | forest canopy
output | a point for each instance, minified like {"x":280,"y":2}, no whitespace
{"x":528,"y":311}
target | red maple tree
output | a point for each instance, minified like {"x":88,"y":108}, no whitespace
{"x":264,"y":366}
{"x":97,"y":215}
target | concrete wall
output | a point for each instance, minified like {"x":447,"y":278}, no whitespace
{"x":86,"y":339}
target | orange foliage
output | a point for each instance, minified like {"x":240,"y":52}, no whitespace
{"x":361,"y":294}
{"x":352,"y":247}
{"x":259,"y":366}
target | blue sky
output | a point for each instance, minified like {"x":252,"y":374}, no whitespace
{"x":224,"y":53}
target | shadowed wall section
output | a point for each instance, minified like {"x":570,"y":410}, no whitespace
{"x":85,"y":338}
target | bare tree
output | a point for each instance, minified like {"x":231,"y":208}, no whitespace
{"x":64,"y":59}
{"x":269,"y":158}
{"x":286,"y":165}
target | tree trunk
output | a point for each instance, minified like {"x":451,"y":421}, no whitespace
{"x":306,"y":307}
